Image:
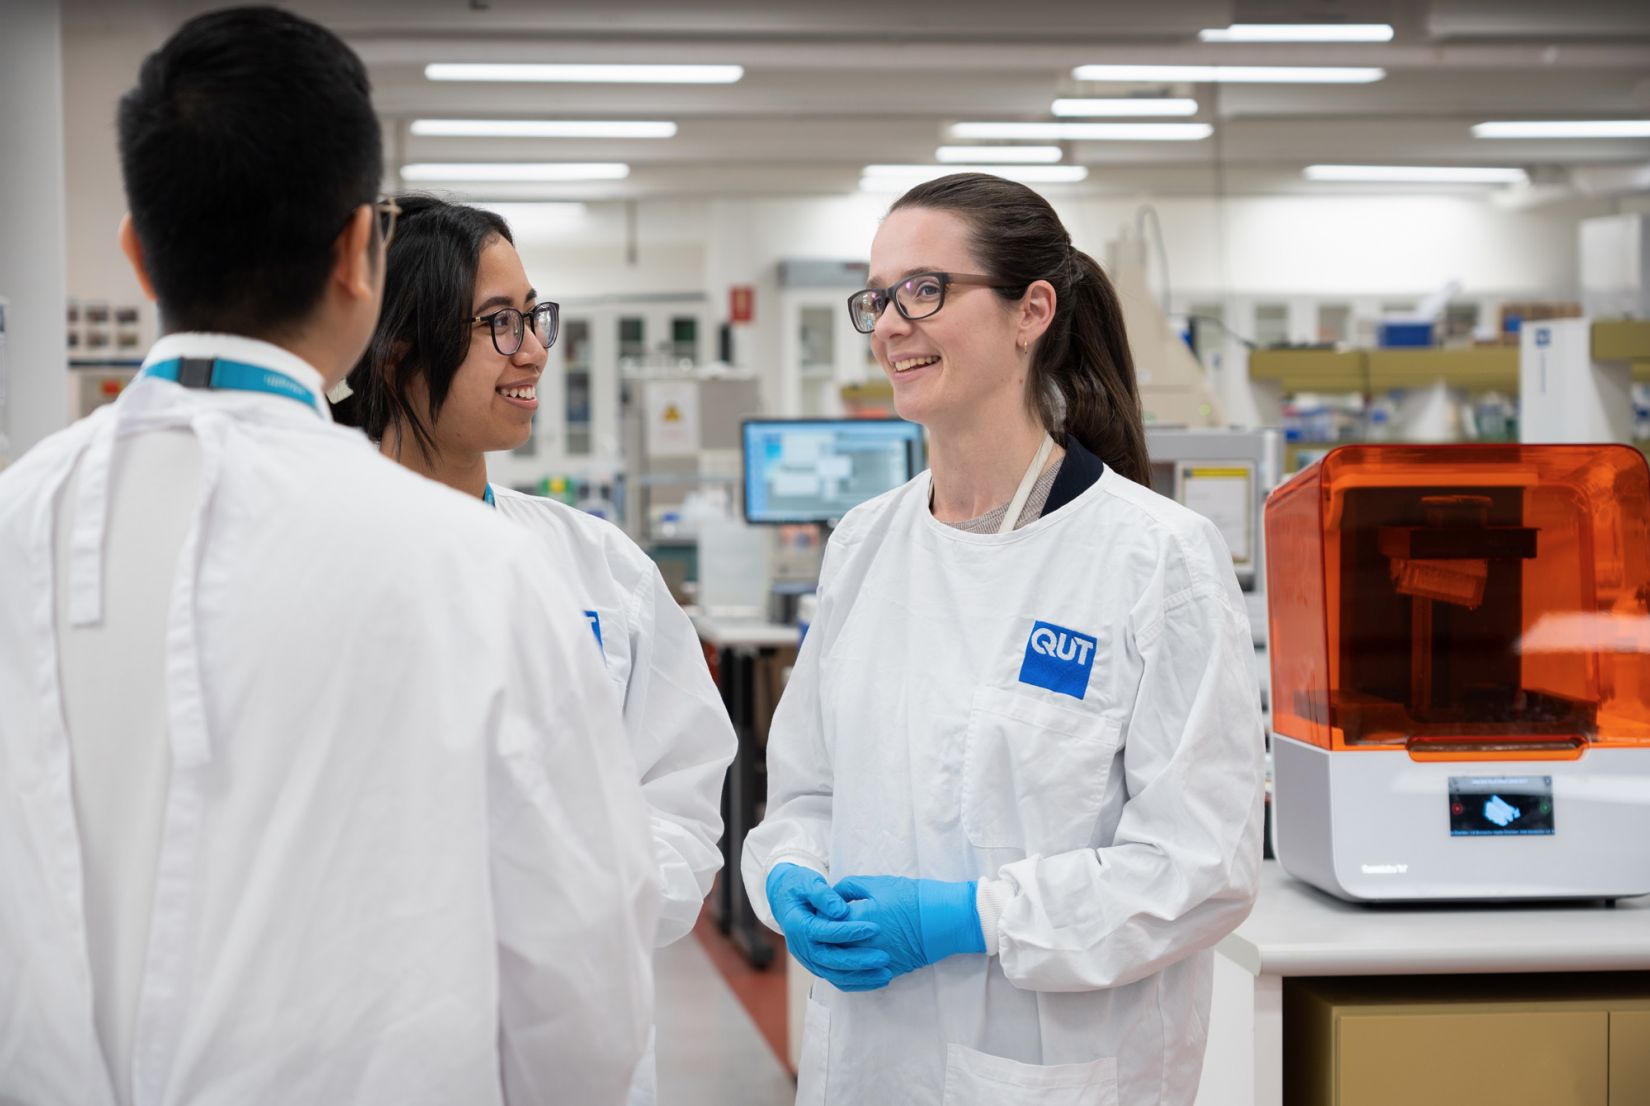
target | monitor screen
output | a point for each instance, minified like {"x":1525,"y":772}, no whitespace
{"x":815,"y":470}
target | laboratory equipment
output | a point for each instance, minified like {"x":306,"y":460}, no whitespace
{"x":1419,"y":328}
{"x":1460,"y":657}
{"x":1564,"y":393}
{"x":815,"y":470}
{"x":1174,"y":389}
{"x":1223,"y":475}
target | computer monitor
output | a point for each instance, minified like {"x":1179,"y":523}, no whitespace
{"x":815,"y":470}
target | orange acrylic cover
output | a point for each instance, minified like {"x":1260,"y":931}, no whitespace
{"x":1462,"y":601}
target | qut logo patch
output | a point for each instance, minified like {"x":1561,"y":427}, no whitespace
{"x":1058,"y":659}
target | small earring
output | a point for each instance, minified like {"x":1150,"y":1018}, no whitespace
{"x":1021,"y":346}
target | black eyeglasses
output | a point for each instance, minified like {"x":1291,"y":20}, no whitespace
{"x":915,"y":297}
{"x":509,"y":326}
{"x":388,"y":211}
{"x":385,"y":211}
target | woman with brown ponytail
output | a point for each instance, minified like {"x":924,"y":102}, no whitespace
{"x":1015,"y":782}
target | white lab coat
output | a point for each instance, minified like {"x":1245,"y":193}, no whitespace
{"x":1100,"y":775}
{"x":674,"y":720}
{"x":400,"y":858}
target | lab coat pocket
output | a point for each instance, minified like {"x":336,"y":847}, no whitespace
{"x":1034,"y":773}
{"x":816,"y":1047}
{"x":979,"y":1079}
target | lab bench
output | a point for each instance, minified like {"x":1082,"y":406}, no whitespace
{"x":748,"y":654}
{"x":1329,"y":1003}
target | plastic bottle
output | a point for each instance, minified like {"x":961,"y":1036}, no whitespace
{"x":1380,"y":422}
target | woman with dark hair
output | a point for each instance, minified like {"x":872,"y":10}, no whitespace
{"x":1023,"y":736}
{"x":451,"y":374}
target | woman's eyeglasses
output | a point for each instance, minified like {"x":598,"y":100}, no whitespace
{"x":387,"y":211}
{"x":509,"y":326}
{"x":915,"y":297}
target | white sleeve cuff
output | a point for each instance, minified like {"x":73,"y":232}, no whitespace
{"x":990,"y":896}
{"x":800,"y":859}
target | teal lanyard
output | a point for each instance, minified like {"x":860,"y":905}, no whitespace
{"x":236,"y":376}
{"x":487,"y":496}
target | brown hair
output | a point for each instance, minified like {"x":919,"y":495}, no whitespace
{"x":1081,"y":379}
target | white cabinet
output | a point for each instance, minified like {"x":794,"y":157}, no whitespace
{"x":820,"y":351}
{"x":578,"y":429}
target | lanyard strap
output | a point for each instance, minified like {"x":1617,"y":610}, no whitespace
{"x":1023,"y":493}
{"x":487,"y":496}
{"x":236,"y":376}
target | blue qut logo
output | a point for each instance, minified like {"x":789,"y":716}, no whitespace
{"x":1058,"y":659}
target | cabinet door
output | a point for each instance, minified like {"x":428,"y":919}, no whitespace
{"x":1450,"y":1059}
{"x":1629,"y":1057}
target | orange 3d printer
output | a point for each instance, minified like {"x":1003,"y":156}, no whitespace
{"x":1460,"y":651}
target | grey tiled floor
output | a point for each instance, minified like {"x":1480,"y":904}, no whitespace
{"x":710,"y":1053}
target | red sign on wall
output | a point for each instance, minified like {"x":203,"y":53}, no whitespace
{"x":741,"y":303}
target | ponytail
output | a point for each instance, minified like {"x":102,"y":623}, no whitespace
{"x":1081,"y":380}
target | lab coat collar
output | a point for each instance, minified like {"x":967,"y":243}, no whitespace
{"x":237,"y":347}
{"x":922,"y":490}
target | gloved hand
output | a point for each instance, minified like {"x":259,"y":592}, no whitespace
{"x":818,"y":932}
{"x":921,"y":921}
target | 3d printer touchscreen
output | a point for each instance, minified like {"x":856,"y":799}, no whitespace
{"x":1501,"y":806}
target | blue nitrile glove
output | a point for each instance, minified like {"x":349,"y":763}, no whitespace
{"x":819,"y":934}
{"x":922,"y":921}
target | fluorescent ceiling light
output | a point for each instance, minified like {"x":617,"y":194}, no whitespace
{"x":523,"y":171}
{"x":1086,"y":132}
{"x":1230,"y":74}
{"x":1416,"y":174}
{"x":1299,"y":32}
{"x":1580,"y":128}
{"x":1026,"y":174}
{"x":1118,"y":107}
{"x":1019,"y":155}
{"x":587,"y":74}
{"x":540,"y":128}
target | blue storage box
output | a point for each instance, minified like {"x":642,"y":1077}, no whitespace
{"x":1403,"y":335}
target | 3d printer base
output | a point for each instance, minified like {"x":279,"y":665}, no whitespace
{"x":1377,"y":826}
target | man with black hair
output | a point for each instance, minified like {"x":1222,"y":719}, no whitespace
{"x":244,"y":858}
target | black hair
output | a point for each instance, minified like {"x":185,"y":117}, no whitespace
{"x":246,"y":147}
{"x":1081,"y":379}
{"x":423,"y":329}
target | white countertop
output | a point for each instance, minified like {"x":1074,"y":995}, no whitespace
{"x":723,"y":631}
{"x":1297,"y":930}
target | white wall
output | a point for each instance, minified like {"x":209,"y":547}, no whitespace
{"x":571,"y":272}
{"x":1274,"y":246}
{"x":101,"y":66}
{"x":31,"y":223}
{"x":587,"y":254}
{"x":1298,"y":249}
{"x":749,"y":239}
{"x":1281,"y":246}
